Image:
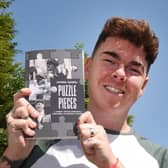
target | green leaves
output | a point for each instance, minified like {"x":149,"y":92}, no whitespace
{"x":11,"y":74}
{"x":3,"y":140}
{"x":5,"y":4}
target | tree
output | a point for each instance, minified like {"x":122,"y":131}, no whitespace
{"x":79,"y":45}
{"x":11,"y":74}
{"x":130,"y":120}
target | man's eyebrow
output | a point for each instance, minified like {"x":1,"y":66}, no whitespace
{"x":113,"y":54}
{"x":137,"y":63}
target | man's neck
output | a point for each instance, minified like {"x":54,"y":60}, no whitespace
{"x":114,"y":119}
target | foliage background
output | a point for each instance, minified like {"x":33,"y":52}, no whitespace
{"x":11,"y":74}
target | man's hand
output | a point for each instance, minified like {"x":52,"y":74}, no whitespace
{"x":20,"y":124}
{"x":94,"y":141}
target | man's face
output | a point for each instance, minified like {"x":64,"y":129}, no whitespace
{"x":116,"y":75}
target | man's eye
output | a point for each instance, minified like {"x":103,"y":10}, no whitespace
{"x":109,"y":60}
{"x":134,"y":70}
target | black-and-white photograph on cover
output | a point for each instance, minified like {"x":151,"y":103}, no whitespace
{"x":56,"y":78}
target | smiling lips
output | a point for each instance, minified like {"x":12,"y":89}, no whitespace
{"x":115,"y":90}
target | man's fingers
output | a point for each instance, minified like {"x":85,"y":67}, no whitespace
{"x":25,"y":125}
{"x":22,"y":93}
{"x":32,"y":111}
{"x":86,"y":118}
{"x":86,"y":125}
{"x":26,"y":109}
{"x":91,"y":145}
{"x":21,"y":120}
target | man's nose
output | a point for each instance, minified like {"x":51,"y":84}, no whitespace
{"x":119,"y":74}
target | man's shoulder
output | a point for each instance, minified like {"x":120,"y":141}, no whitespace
{"x":160,"y":153}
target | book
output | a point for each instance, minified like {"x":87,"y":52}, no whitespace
{"x":56,"y":78}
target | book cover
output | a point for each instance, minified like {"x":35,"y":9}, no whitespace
{"x":56,"y":78}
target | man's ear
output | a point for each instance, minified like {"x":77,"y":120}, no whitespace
{"x":88,"y":62}
{"x":144,"y":86}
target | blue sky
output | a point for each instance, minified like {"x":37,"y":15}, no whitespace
{"x":50,"y":24}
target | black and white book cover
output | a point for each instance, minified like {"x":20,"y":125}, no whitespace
{"x":56,"y":78}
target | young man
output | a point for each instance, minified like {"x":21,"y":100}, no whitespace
{"x":117,"y":74}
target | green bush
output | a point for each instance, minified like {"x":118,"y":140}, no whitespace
{"x":3,"y":140}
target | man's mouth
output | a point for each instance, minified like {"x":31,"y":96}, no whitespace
{"x":115,"y":90}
